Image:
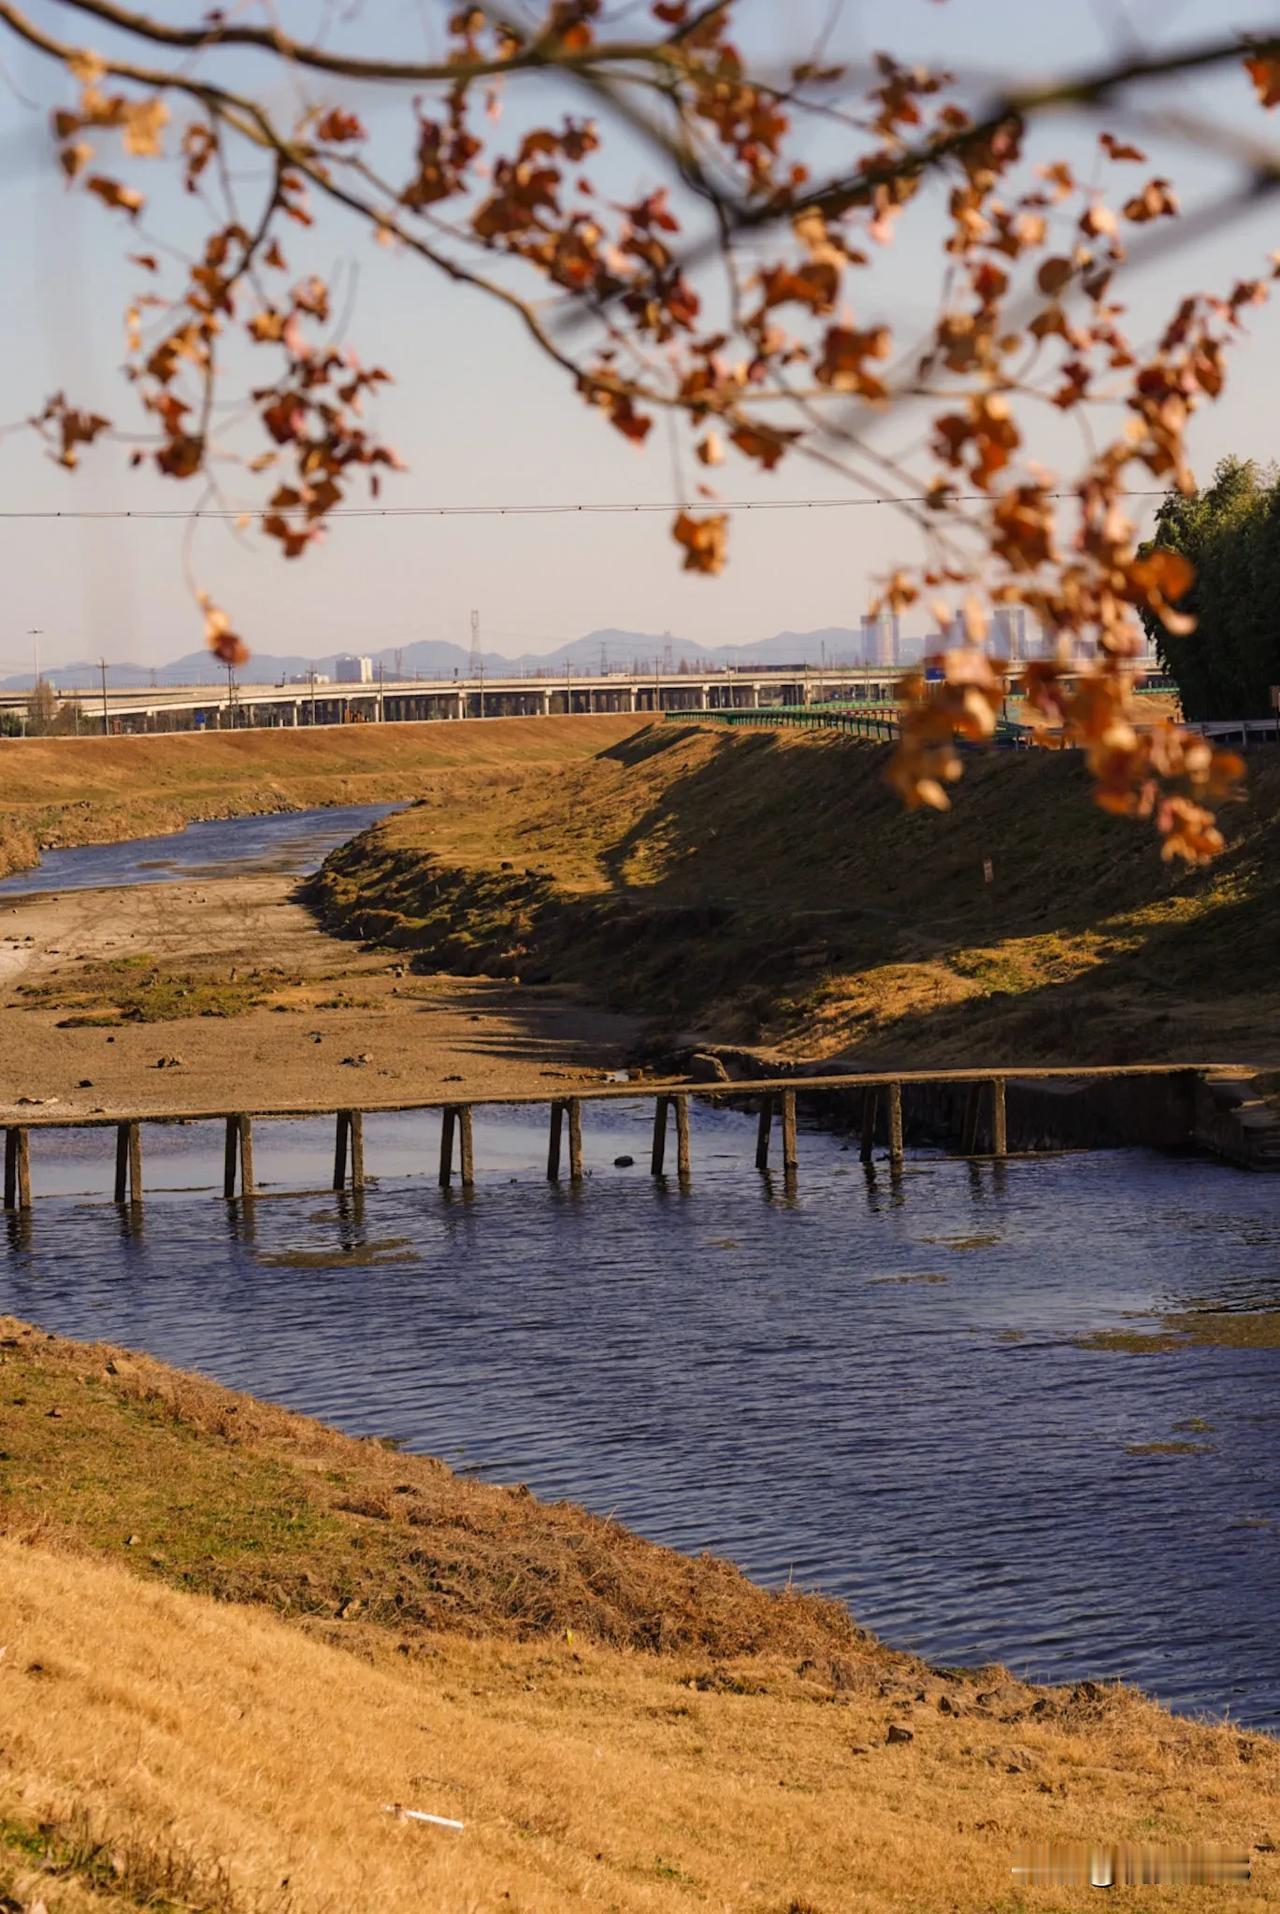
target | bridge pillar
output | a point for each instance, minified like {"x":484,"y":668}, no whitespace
{"x":703,"y":697}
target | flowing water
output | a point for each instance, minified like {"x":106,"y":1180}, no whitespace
{"x":285,"y":841}
{"x":874,"y":1386}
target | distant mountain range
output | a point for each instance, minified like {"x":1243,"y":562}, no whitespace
{"x":612,"y":649}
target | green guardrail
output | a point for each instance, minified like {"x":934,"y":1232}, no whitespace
{"x":874,"y":719}
{"x":881,"y":724}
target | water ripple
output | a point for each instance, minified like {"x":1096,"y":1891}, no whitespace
{"x":729,"y":1368}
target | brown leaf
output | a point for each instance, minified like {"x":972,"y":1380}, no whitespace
{"x":267,"y":324}
{"x":337,"y":125}
{"x":1162,"y":574}
{"x":1264,"y":71}
{"x":74,"y":157}
{"x":113,"y":193}
{"x":766,"y":446}
{"x":1053,"y":275}
{"x":705,"y":540}
{"x":142,"y":123}
{"x":1119,"y":149}
{"x":225,"y":644}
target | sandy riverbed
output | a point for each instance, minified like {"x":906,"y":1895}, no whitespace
{"x":329,"y":1003}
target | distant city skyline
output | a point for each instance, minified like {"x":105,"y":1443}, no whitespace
{"x":878,"y":641}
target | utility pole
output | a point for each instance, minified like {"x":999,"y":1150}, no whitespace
{"x":311,"y":680}
{"x":106,"y":720}
{"x":381,"y":710}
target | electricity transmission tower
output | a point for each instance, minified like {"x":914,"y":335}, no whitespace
{"x":476,"y":666}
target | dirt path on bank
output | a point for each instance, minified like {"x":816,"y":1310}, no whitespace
{"x":284,"y":1014}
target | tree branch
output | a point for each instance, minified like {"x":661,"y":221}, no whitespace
{"x":538,"y":55}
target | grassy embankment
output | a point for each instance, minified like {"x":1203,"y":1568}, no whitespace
{"x":766,"y":888}
{"x":56,"y":792}
{"x":231,"y":1636}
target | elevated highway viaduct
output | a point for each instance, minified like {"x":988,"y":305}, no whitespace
{"x":230,"y":706}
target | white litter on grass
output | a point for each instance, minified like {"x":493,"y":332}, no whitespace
{"x":416,"y":1814}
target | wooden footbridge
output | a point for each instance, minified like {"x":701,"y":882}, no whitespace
{"x":1169,"y":1093}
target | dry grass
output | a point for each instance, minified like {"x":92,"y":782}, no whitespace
{"x":186,"y":1752}
{"x":213,"y":1491}
{"x":765,"y":888}
{"x":62,"y":791}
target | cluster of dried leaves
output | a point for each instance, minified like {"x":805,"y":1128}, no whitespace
{"x":726,"y":300}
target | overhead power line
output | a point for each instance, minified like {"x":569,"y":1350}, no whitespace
{"x":548,"y":511}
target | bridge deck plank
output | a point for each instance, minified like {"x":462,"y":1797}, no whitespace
{"x":617,"y":1092}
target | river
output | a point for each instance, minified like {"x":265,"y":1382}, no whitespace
{"x":288,"y":842}
{"x":869,"y":1386}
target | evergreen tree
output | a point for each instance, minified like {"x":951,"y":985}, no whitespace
{"x":1226,"y":667}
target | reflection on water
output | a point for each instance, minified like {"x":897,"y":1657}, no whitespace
{"x":866,"y":1384}
{"x":289,"y":842}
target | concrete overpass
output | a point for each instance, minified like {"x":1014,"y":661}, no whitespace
{"x":228,"y":707}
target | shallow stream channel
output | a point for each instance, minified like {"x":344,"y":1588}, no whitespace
{"x":973,"y":1400}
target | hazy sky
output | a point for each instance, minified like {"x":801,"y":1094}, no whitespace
{"x":481,"y":418}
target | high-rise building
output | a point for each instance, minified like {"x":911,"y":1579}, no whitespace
{"x":352,"y":671}
{"x":881,"y":639}
{"x":1009,"y":632}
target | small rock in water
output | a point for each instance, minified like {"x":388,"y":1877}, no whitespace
{"x":623,"y":1162}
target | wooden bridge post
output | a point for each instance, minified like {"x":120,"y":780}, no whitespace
{"x":448,"y":1119}
{"x":355,"y":1127}
{"x":17,"y":1169}
{"x":658,"y":1158}
{"x":128,"y":1163}
{"x":895,"y":1126}
{"x":684,"y":1152}
{"x":575,"y":1139}
{"x":340,"y":1151}
{"x":999,"y":1119}
{"x":870,"y":1103}
{"x":553,"y":1141}
{"x":763,"y":1130}
{"x":466,"y":1146}
{"x":244,"y":1133}
{"x":972,"y":1117}
{"x":230,"y":1150}
{"x":790,"y":1157}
